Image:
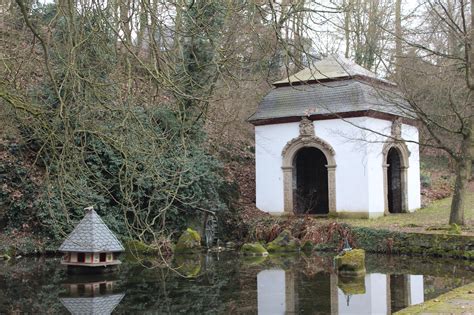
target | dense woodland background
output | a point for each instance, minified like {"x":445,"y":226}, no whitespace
{"x":140,"y":106}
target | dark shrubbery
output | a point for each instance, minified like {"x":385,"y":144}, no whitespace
{"x":148,"y":176}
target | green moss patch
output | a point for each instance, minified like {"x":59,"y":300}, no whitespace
{"x":457,"y":301}
{"x":188,"y":242}
{"x":351,"y":262}
{"x":351,"y":285}
{"x":5,"y":257}
{"x":253,"y":249}
{"x":188,"y":265}
{"x":254,"y":260}
{"x":438,"y":245}
{"x":284,"y":242}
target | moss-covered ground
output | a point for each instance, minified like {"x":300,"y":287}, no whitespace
{"x":457,"y":301}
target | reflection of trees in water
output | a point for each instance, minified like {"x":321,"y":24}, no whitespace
{"x":313,"y":293}
{"x":438,"y":267}
{"x":31,"y":286}
{"x":165,"y":291}
{"x":223,"y":284}
{"x":434,"y":286}
{"x":313,"y":265}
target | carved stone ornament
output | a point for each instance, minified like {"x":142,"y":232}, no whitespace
{"x":308,"y":141}
{"x":396,"y":131}
{"x":306,"y":127}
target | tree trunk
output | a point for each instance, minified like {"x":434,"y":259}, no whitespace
{"x":347,"y":18}
{"x":398,"y":37}
{"x":463,"y":171}
{"x":464,"y":162}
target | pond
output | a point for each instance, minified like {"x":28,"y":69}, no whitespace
{"x":224,"y":283}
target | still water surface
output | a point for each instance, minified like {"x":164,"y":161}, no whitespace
{"x":228,"y":284}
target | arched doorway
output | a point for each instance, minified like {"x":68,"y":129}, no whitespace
{"x":394,"y":181}
{"x":298,"y":151}
{"x":395,"y":164}
{"x":310,"y":186}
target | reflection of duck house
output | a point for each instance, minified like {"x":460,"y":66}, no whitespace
{"x":91,"y":245}
{"x":90,"y":289}
{"x":93,"y":305}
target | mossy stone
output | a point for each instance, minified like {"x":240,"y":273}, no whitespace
{"x":284,"y":242}
{"x":254,"y":260}
{"x":253,"y":249}
{"x":188,"y":265}
{"x":188,"y":242}
{"x":351,"y":262}
{"x":4,"y":257}
{"x":454,"y":229}
{"x":351,"y":285}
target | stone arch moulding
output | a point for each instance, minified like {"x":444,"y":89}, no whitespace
{"x":402,"y":148}
{"x":288,"y":154}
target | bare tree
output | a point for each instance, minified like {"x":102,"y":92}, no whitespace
{"x":438,"y":82}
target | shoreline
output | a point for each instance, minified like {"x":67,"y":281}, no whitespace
{"x":456,"y":301}
{"x":372,"y":240}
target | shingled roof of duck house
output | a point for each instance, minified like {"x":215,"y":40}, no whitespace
{"x":332,"y":87}
{"x":91,"y":243}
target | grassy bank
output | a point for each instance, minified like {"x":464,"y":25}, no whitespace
{"x":432,"y":219}
{"x":425,"y":232}
{"x":457,"y":301}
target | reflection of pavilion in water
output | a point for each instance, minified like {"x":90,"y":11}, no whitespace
{"x":279,"y":292}
{"x":93,"y":297}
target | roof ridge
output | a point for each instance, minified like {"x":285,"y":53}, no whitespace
{"x":333,"y":67}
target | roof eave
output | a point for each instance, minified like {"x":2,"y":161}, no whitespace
{"x":340,"y":78}
{"x":327,"y":116}
{"x":90,"y":251}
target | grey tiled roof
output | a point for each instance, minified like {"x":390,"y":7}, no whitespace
{"x":91,"y":235}
{"x":331,"y":67}
{"x":332,"y":97}
{"x":92,"y":305}
{"x":330,"y":86}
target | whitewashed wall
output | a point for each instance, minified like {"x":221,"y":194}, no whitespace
{"x":373,"y":301}
{"x":375,"y":157}
{"x":359,"y":172}
{"x":271,"y":292}
{"x":410,"y":133}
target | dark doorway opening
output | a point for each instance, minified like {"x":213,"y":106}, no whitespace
{"x":310,"y":182}
{"x":103,"y":288}
{"x":394,"y":183}
{"x":399,"y":292}
{"x":102,"y":257}
{"x":81,"y":257}
{"x":81,"y":289}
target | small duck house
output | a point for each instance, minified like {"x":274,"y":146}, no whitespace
{"x":91,"y":246}
{"x":334,"y":139}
